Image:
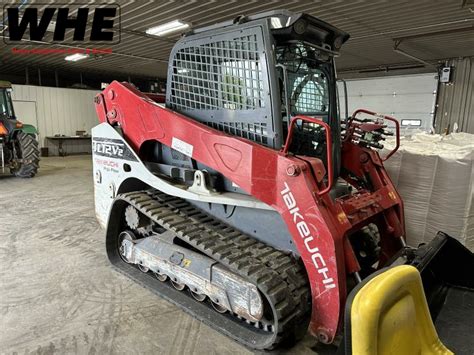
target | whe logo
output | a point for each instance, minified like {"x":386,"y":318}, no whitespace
{"x":36,"y":21}
{"x":305,"y":234}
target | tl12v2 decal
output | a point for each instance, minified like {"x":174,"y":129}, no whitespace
{"x":112,"y":148}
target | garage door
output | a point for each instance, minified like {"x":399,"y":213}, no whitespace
{"x":410,"y":98}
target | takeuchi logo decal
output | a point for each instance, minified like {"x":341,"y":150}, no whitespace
{"x":51,"y":23}
{"x":309,"y":239}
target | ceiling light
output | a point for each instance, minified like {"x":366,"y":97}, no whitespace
{"x":276,"y":22}
{"x":76,"y":57}
{"x":167,"y":28}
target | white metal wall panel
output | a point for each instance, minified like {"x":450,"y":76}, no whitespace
{"x":26,"y":112}
{"x":58,"y":111}
{"x":403,"y":97}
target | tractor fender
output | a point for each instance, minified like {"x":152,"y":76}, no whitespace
{"x":27,"y":128}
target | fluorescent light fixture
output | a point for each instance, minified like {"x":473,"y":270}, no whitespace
{"x":75,"y":57}
{"x":167,"y":28}
{"x":276,"y":22}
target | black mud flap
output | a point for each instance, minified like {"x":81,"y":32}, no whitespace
{"x":447,"y":272}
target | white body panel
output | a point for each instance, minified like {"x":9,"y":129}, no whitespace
{"x":112,"y":156}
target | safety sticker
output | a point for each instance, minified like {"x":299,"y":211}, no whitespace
{"x":182,"y":147}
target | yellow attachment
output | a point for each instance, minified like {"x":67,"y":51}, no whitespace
{"x":390,"y":315}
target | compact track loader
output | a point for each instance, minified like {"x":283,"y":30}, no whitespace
{"x":249,"y":203}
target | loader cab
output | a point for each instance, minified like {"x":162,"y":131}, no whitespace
{"x":248,"y":77}
{"x":307,"y":87}
{"x":7,"y":114}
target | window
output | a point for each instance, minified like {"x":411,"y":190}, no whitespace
{"x":6,"y":108}
{"x":307,"y":83}
{"x":310,"y":93}
{"x":241,"y":87}
{"x":218,"y":75}
{"x":411,"y":122}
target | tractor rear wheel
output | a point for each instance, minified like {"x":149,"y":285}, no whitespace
{"x":27,"y":151}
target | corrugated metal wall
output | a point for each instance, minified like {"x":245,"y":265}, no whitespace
{"x":455,"y":100}
{"x":58,"y":111}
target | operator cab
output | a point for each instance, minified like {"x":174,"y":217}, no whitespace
{"x":6,"y":107}
{"x":248,"y":77}
{"x":305,"y":50}
{"x":305,"y":90}
{"x":7,"y":114}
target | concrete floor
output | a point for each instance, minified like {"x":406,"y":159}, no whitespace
{"x":58,"y":293}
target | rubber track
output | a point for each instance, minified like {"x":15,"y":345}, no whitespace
{"x":281,"y":278}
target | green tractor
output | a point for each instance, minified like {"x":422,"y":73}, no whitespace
{"x":19,"y":149}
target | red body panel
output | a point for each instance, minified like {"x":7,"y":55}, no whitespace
{"x":319,"y":226}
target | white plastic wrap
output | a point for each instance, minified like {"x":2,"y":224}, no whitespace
{"x":435,"y":175}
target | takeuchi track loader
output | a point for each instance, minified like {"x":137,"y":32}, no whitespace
{"x":245,"y":199}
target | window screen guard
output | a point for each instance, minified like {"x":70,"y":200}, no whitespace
{"x":222,"y":81}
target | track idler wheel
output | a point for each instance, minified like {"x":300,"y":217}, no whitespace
{"x":177,"y":285}
{"x":125,"y":235}
{"x":160,"y":277}
{"x":143,"y":268}
{"x":218,"y":307}
{"x":200,"y":297}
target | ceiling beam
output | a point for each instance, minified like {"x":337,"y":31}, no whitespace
{"x":436,"y":33}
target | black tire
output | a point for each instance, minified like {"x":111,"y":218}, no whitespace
{"x":27,"y":149}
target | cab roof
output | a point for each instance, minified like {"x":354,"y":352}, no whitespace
{"x":287,"y":26}
{"x":5,"y":84}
